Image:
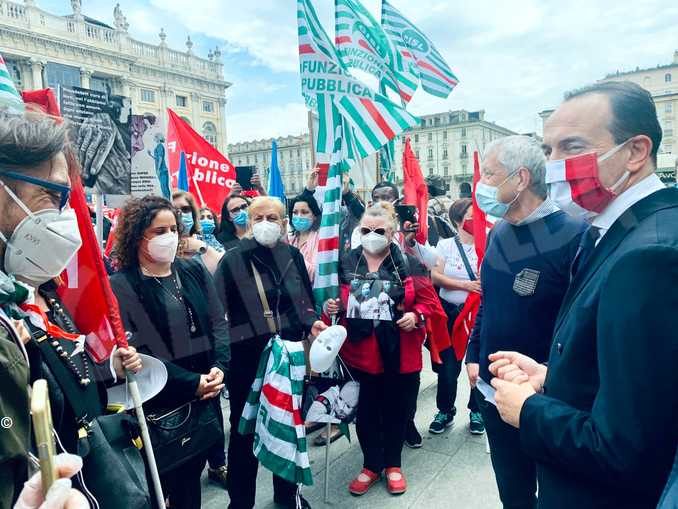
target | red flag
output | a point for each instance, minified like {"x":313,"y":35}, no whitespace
{"x":466,"y":319}
{"x":210,"y":175}
{"x":87,"y":293}
{"x":415,"y":190}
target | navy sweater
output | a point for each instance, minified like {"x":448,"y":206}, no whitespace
{"x":508,"y":320}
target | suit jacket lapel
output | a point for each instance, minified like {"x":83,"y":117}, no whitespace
{"x":662,"y":199}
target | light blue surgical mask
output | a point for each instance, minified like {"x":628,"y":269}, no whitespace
{"x":302,"y":224}
{"x":187,"y":220}
{"x":207,"y":226}
{"x":241,"y":218}
{"x":486,"y":196}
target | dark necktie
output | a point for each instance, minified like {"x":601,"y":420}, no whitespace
{"x":586,"y":248}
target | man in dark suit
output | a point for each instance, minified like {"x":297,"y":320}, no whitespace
{"x":601,"y":419}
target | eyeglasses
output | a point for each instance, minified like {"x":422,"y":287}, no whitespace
{"x":63,"y":190}
{"x":235,"y":210}
{"x":186,"y":209}
{"x":367,"y":231}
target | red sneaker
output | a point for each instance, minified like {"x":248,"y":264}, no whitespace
{"x":395,"y":480}
{"x":361,"y":484}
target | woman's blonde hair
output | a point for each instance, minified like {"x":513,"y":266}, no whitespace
{"x":383,"y":210}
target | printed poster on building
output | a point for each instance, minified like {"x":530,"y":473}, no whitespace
{"x":150,"y":173}
{"x":101,"y":133}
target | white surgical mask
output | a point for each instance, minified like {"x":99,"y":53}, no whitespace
{"x":374,"y":243}
{"x":42,"y":244}
{"x":266,"y":233}
{"x":163,"y":248}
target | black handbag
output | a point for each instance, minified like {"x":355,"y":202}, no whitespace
{"x":185,"y":432}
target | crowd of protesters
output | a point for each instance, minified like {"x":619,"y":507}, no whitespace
{"x":571,"y":358}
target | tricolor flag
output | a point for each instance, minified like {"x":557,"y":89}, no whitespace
{"x":363,"y":44}
{"x":418,"y":51}
{"x":10,"y":98}
{"x":326,"y":283}
{"x":325,"y":82}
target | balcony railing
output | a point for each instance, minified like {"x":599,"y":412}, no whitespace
{"x":70,"y":28}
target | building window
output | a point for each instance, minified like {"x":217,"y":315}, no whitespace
{"x":59,"y":74}
{"x":445,"y":153}
{"x":430,"y":171}
{"x":445,"y":135}
{"x":209,"y":132}
{"x":416,"y":138}
{"x":182,"y":101}
{"x":668,"y":108}
{"x":299,"y":153}
{"x":430,"y":136}
{"x":430,"y":154}
{"x":463,"y":132}
{"x":463,"y":150}
{"x":147,"y":95}
{"x":437,"y":121}
{"x":101,"y":84}
{"x":667,"y":77}
{"x":446,"y":171}
{"x":208,"y":106}
{"x":668,"y":132}
{"x":247,"y":160}
{"x":416,"y":153}
{"x":464,"y":168}
{"x":14,"y":73}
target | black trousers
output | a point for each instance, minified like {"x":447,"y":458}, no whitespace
{"x":182,"y":485}
{"x":216,"y":456}
{"x":448,"y":374}
{"x":515,"y":472}
{"x":241,"y":478}
{"x":384,"y":409}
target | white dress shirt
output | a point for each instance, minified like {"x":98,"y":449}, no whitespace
{"x":604,"y":221}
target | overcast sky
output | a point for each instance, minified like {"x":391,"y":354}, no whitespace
{"x":513,"y":59}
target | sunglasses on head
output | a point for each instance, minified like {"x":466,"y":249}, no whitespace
{"x":379,"y":231}
{"x":63,"y":190}
{"x":235,"y":210}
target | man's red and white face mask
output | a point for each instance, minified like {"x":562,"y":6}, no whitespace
{"x":575,"y":187}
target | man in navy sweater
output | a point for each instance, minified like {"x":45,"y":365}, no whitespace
{"x":525,"y":274}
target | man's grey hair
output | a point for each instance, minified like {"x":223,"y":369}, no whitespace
{"x":515,"y":152}
{"x":30,"y":139}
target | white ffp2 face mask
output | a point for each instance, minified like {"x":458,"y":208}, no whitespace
{"x":266,"y":233}
{"x":374,"y":243}
{"x":42,"y":245}
{"x":163,"y":248}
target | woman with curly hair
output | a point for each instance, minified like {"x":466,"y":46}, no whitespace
{"x":171,"y":307}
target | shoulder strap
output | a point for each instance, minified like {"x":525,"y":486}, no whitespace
{"x":464,"y":258}
{"x":268,"y":314}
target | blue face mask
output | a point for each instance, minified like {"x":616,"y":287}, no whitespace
{"x":187,"y":220}
{"x":207,"y":226}
{"x":486,"y":196}
{"x":241,"y":218}
{"x":302,"y":224}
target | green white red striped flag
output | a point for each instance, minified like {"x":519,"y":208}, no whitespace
{"x":273,"y":412}
{"x":363,"y":44}
{"x":418,"y":51}
{"x":373,"y":118}
{"x":326,"y":283}
{"x":10,"y":99}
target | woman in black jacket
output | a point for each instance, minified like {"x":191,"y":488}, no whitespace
{"x":171,"y":308}
{"x":290,"y":298}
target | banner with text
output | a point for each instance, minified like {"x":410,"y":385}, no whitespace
{"x":150,"y":172}
{"x":210,"y":175}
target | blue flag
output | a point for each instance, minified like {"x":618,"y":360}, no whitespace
{"x":275,"y":183}
{"x":182,"y":179}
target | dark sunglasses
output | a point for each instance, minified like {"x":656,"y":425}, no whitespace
{"x":63,"y":190}
{"x":238,"y":209}
{"x":185,"y":209}
{"x":378,"y":231}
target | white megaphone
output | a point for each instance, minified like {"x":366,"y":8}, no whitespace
{"x":151,"y":380}
{"x":325,"y":348}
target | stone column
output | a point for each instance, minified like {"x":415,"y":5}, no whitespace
{"x":125,"y":87}
{"x":36,"y":74}
{"x":85,"y":75}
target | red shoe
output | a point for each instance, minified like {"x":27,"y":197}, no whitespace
{"x":361,"y":484}
{"x":395,"y":480}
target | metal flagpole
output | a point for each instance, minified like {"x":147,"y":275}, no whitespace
{"x":146,"y":438}
{"x":99,"y":214}
{"x":311,"y":137}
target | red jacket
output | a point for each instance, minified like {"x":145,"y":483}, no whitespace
{"x":364,"y":355}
